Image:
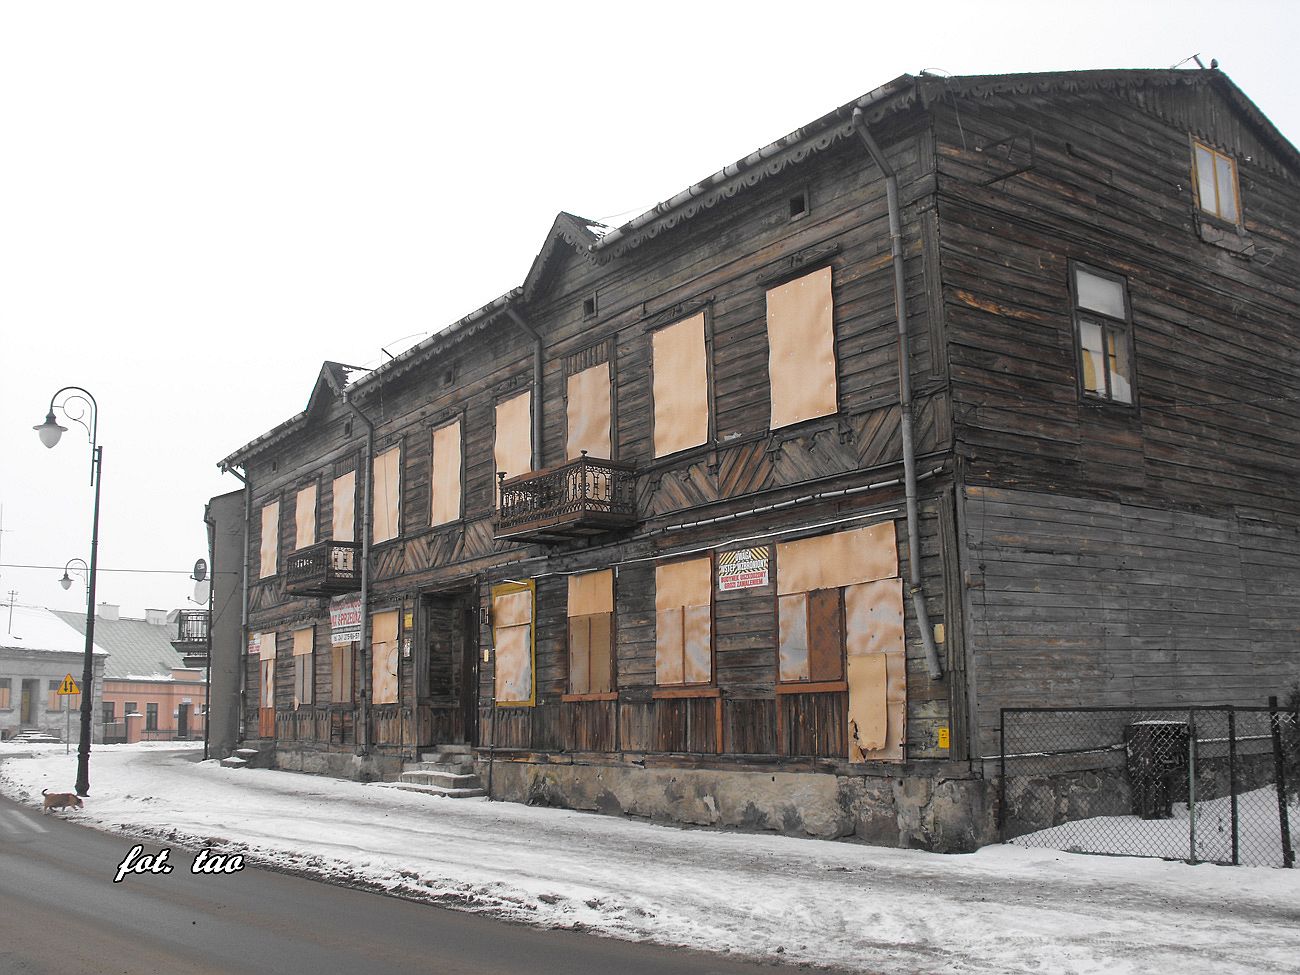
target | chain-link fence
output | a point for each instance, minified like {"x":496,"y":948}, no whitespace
{"x":1203,"y":784}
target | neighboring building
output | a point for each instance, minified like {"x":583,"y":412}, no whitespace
{"x":37,"y":651}
{"x":226,"y":546}
{"x":145,"y":675}
{"x":661,"y":531}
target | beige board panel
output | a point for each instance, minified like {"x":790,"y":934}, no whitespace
{"x":801,"y":349}
{"x":669,"y":645}
{"x":877,"y":700}
{"x":588,"y":414}
{"x":591,"y":592}
{"x":266,"y":645}
{"x":303,"y":641}
{"x":384,"y":672}
{"x":305,"y":518}
{"x":602,"y":652}
{"x":873,"y":615}
{"x":383,"y":627}
{"x":268,"y":683}
{"x":792,"y":640}
{"x":387,"y":494}
{"x":270,"y":552}
{"x":444,"y":505}
{"x":513,"y":449}
{"x":840,"y":559}
{"x":512,"y":608}
{"x":514,"y":664}
{"x":688,"y":583}
{"x":697,"y":644}
{"x":580,"y":654}
{"x":345,"y":501}
{"x":680,"y":386}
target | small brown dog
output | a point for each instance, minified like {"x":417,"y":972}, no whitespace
{"x":60,"y":800}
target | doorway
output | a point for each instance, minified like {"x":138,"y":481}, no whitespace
{"x":183,"y":721}
{"x":31,"y":696}
{"x":447,"y":671}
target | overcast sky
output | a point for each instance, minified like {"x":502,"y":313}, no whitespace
{"x":201,"y":202}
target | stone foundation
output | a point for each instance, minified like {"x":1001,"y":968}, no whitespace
{"x":344,"y":764}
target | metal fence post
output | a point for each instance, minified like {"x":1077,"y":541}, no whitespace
{"x":1002,"y":775}
{"x":1191,"y":784}
{"x":1232,"y":784}
{"x":1279,"y":768}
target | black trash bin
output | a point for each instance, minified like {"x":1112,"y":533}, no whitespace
{"x":1156,"y":753}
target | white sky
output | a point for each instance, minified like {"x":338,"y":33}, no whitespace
{"x":1001,"y":911}
{"x":201,"y":202}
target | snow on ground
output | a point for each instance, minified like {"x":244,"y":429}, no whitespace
{"x":844,"y":905}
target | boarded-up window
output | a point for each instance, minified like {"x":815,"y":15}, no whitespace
{"x":270,"y":539}
{"x":587,"y":413}
{"x":445,"y":476}
{"x":801,"y":349}
{"x":304,"y":660}
{"x":6,"y":689}
{"x":684,"y":622}
{"x":513,"y":450}
{"x":877,"y":670}
{"x":383,"y":657}
{"x":305,"y":518}
{"x":266,"y":660}
{"x":681,"y":386}
{"x":388,"y":494}
{"x":591,"y":632}
{"x":512,"y":635}
{"x":341,"y":664}
{"x":345,"y":500}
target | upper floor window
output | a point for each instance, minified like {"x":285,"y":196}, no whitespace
{"x":344,"y":517}
{"x":444,"y":503}
{"x":513,"y":447}
{"x":1216,"y":183}
{"x":1103,"y":334}
{"x":387,"y":494}
{"x":680,"y":386}
{"x":801,"y":349}
{"x":305,"y":517}
{"x":270,"y":550}
{"x":587,"y":414}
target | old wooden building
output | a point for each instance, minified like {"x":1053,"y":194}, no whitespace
{"x":972,"y":393}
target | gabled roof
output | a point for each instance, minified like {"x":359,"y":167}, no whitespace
{"x":136,"y":648}
{"x":568,"y":232}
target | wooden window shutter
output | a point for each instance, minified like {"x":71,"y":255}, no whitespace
{"x":587,"y":413}
{"x":684,"y":622}
{"x":801,"y":349}
{"x":270,"y":552}
{"x":680,"y":387}
{"x":512,"y":635}
{"x":344,"y":519}
{"x":826,"y":635}
{"x":445,"y":476}
{"x":386,"y":516}
{"x":305,"y":517}
{"x":513,"y":451}
{"x":383,"y":657}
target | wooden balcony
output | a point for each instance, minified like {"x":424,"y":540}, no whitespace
{"x":191,"y":640}
{"x":575,"y":500}
{"x":324,"y":569}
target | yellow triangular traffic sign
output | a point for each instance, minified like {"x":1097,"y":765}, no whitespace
{"x":69,"y":686}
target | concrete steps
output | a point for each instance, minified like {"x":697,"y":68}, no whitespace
{"x":446,"y":772}
{"x":242,"y":758}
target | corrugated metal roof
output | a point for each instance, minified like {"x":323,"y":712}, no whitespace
{"x":136,"y":648}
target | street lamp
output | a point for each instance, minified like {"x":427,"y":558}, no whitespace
{"x":66,"y":581}
{"x":50,"y":431}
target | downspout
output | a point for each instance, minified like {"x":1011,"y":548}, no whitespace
{"x":932,"y":661}
{"x":367,"y":478}
{"x":537,"y":386}
{"x":243,"y":602}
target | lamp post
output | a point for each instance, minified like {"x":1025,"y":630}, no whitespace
{"x":50,"y":432}
{"x":66,"y":581}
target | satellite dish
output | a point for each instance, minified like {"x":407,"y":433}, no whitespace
{"x":202,"y":589}
{"x":200,"y":571}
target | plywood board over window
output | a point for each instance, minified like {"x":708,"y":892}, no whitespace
{"x":513,"y":636}
{"x":383,"y":657}
{"x":513,"y":447}
{"x":684,"y":622}
{"x":270,"y":550}
{"x":445,"y":476}
{"x":344,"y":519}
{"x":304,"y":670}
{"x":305,"y":517}
{"x":801,"y":349}
{"x":266,"y":661}
{"x":680,"y":386}
{"x":591,"y":632}
{"x":587,"y":413}
{"x":387,"y":494}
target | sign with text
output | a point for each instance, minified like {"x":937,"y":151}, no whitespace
{"x":345,"y":619}
{"x":743,"y":569}
{"x":254,"y":644}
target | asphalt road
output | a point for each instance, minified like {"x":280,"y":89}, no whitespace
{"x":62,"y":914}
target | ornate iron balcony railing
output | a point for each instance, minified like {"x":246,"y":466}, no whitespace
{"x":584,"y":497}
{"x":324,"y":569}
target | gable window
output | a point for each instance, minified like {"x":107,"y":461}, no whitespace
{"x":514,"y":639}
{"x":305,"y":517}
{"x":684,"y":622}
{"x":591,"y":632}
{"x":344,"y":518}
{"x":1216,"y":183}
{"x":444,"y":504}
{"x":587,"y":413}
{"x":680,"y":387}
{"x":1103,"y":334}
{"x":801,"y":349}
{"x":304,"y":668}
{"x":513,"y":447}
{"x":387,"y":494}
{"x":383,"y":657}
{"x":270,"y":551}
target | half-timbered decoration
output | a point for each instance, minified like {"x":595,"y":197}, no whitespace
{"x":972,"y":393}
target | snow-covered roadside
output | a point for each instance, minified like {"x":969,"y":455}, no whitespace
{"x":1002,"y":910}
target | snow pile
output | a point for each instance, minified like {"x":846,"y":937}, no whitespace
{"x":846,"y":905}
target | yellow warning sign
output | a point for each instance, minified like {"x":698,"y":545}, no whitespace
{"x":944,"y":738}
{"x":69,"y":686}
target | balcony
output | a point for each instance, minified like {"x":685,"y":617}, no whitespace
{"x":579,"y":499}
{"x":324,"y":569}
{"x":191,"y":640}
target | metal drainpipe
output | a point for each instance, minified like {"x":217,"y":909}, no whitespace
{"x":367,"y":477}
{"x":243,"y":602}
{"x":537,"y":387}
{"x":932,"y":661}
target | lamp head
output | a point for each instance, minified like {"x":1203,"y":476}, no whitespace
{"x":50,"y":432}
{"x":66,"y":581}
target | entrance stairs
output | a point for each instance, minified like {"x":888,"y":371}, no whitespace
{"x":447,"y":772}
